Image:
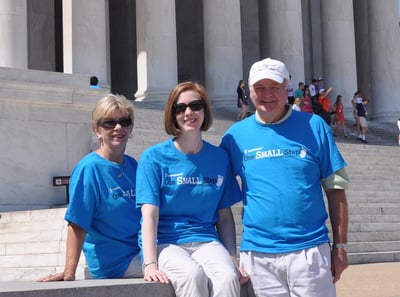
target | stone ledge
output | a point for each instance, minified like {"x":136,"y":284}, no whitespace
{"x":92,"y":288}
{"x":86,"y":288}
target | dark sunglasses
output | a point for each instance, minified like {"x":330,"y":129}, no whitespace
{"x":110,"y":124}
{"x":194,"y":106}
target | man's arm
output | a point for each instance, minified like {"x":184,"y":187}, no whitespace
{"x":338,"y":212}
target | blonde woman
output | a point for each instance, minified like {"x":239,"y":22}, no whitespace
{"x":102,"y":217}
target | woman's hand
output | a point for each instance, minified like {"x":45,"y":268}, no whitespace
{"x":243,"y":276}
{"x":152,"y":274}
{"x":60,"y":276}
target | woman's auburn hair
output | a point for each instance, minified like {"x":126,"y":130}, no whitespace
{"x":170,"y":122}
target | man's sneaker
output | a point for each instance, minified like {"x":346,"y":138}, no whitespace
{"x":363,"y":140}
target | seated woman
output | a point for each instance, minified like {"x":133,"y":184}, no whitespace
{"x":185,"y":189}
{"x":102,"y":217}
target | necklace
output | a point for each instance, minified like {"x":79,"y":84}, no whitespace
{"x":122,"y":174}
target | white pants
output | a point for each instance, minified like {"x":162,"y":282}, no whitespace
{"x":199,"y":269}
{"x":298,"y":274}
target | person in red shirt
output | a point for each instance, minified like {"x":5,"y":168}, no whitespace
{"x":339,"y":118}
{"x":306,"y":102}
{"x":326,"y":104}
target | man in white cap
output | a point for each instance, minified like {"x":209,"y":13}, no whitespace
{"x":282,"y":158}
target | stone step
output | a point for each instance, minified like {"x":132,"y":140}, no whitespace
{"x":373,"y":257}
{"x":370,"y":150}
{"x":32,"y":235}
{"x":32,"y":273}
{"x":372,"y":173}
{"x":373,"y":185}
{"x":373,"y":227}
{"x":38,"y":227}
{"x":374,"y":246}
{"x":373,"y":197}
{"x":373,"y":208}
{"x":367,"y":149}
{"x":373,"y":236}
{"x":357,"y":218}
{"x":54,"y":246}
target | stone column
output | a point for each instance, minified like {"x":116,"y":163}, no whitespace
{"x":41,"y":47}
{"x":13,"y":34}
{"x":363,"y":52}
{"x":312,"y":40}
{"x":384,"y":38}
{"x":156,"y":49}
{"x":282,"y":33}
{"x":316,"y":39}
{"x":86,"y":38}
{"x":249,"y":10}
{"x":223,"y":50}
{"x":338,"y":46}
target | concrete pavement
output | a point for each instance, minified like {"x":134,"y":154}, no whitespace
{"x":370,"y":280}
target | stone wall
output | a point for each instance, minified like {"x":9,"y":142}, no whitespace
{"x":45,"y":128}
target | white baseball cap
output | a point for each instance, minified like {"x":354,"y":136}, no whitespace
{"x":268,"y":69}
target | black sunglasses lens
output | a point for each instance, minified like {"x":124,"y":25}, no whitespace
{"x":125,"y":122}
{"x":194,"y":106}
{"x":110,"y":124}
{"x":180,"y":108}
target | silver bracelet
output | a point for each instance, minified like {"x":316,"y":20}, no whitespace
{"x":340,"y":246}
{"x":149,"y":263}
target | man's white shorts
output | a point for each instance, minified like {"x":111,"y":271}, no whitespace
{"x":301,"y":273}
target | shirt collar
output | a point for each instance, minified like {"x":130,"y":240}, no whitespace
{"x":285,"y":117}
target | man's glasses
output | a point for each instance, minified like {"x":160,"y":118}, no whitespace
{"x":194,"y":106}
{"x":110,"y":124}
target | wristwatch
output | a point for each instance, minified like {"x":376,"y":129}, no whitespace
{"x":340,"y":246}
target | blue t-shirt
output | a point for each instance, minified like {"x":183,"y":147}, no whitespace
{"x":103,"y":202}
{"x":189,"y":189}
{"x":281,"y":166}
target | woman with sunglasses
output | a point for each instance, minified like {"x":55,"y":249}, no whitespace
{"x":102,"y":217}
{"x":185,"y":190}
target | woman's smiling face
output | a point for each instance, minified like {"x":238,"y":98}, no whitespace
{"x":118,"y":135}
{"x":190,"y":119}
